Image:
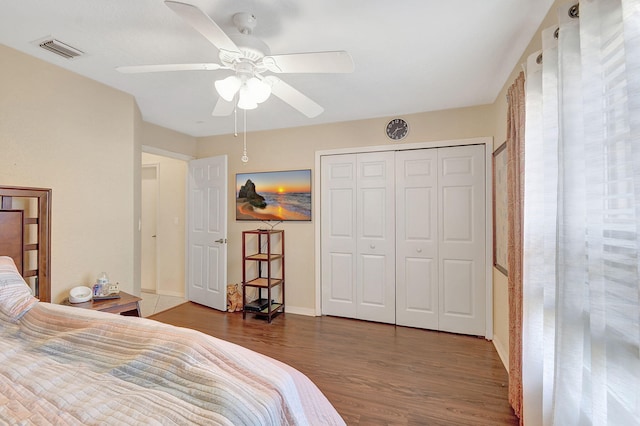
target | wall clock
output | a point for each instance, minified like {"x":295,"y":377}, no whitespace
{"x":397,"y":129}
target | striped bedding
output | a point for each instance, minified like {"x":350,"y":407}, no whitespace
{"x":66,"y":366}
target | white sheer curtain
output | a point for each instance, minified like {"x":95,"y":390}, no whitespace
{"x":581,"y":263}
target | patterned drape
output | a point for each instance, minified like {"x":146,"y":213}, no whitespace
{"x":515,"y":191}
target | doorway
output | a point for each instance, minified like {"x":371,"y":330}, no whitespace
{"x":162,"y":224}
{"x":148,"y":231}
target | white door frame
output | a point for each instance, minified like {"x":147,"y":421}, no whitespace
{"x":486,"y":141}
{"x":184,"y":157}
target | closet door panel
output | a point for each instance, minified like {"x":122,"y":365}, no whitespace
{"x":457,"y":201}
{"x":341,"y":284}
{"x":375,"y":212}
{"x":372,"y":291}
{"x":461,"y":219}
{"x":338,"y":235}
{"x":420,"y":299}
{"x":417,"y":238}
{"x":459,"y":287}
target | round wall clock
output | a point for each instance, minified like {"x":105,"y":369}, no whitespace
{"x":397,"y":129}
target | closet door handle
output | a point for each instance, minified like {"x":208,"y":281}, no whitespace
{"x":372,"y":246}
{"x":419,"y":250}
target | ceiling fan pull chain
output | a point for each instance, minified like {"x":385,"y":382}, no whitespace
{"x":235,"y":121}
{"x":244,"y":158}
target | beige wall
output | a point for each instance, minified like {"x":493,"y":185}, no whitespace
{"x":78,"y":137}
{"x":172,"y":175}
{"x":295,"y":149}
{"x":168,"y":140}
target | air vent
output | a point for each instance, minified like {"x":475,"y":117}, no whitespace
{"x":60,"y":49}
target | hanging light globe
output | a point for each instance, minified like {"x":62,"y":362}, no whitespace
{"x":228,"y":87}
{"x":259,"y":90}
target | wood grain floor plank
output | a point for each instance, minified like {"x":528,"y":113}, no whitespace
{"x":374,"y":374}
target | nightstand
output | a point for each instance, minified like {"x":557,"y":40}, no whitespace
{"x":127,"y":304}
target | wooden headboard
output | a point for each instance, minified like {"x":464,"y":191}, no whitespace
{"x":25,"y":234}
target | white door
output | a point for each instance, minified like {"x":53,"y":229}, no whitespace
{"x":417,"y":238}
{"x":207,"y":232}
{"x":461,"y":245}
{"x":357,"y":228}
{"x":338,"y":235}
{"x":148,"y":232}
{"x":375,"y":219}
{"x":415,"y":253}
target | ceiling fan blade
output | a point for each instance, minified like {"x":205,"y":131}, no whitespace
{"x":136,"y":69}
{"x":223,"y":108}
{"x":293,"y":97}
{"x":206,"y":26}
{"x":317,"y":62}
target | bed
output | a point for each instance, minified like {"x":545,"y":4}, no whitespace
{"x":65,"y":365}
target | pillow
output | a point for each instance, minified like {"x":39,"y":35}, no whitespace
{"x":15,"y":295}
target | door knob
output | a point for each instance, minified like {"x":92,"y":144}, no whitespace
{"x":221,"y":240}
{"x":419,"y":250}
{"x":372,"y":246}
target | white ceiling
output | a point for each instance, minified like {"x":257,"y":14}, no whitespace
{"x":410,"y":55}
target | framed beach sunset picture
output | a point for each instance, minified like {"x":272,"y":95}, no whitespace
{"x":278,"y":196}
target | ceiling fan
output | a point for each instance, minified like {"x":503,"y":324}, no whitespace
{"x":249,"y":58}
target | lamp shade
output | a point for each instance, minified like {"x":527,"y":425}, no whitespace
{"x":245,"y":100}
{"x":259,"y":90}
{"x":228,"y":87}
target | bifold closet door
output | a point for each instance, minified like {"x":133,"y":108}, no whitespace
{"x":417,"y":288}
{"x":357,"y":236}
{"x":461,"y":243}
{"x":403,"y":237}
{"x":338,"y":235}
{"x":376,"y":223}
{"x":440,"y":239}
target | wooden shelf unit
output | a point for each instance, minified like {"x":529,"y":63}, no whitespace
{"x":263,"y":250}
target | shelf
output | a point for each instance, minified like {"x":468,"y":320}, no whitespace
{"x":263,"y":282}
{"x":258,"y":305}
{"x":264,"y":249}
{"x":264,"y":256}
{"x":264,"y":231}
{"x":274,"y":307}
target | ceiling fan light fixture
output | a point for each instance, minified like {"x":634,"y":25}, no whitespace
{"x":245,"y":100}
{"x":258,"y":90}
{"x":228,"y":87}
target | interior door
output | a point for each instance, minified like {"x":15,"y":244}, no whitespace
{"x":417,"y":238}
{"x":207,"y":232}
{"x":149,"y":227}
{"x":461,"y":245}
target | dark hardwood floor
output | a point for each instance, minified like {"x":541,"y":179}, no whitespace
{"x":374,"y":374}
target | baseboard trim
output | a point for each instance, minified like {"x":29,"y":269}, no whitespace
{"x":171,"y":293}
{"x":300,"y":311}
{"x":503,"y":353}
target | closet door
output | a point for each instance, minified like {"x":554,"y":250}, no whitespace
{"x":417,"y":302}
{"x":375,"y":219}
{"x":357,"y":236}
{"x":338,"y":234}
{"x":403,"y":237}
{"x":461,"y":225}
